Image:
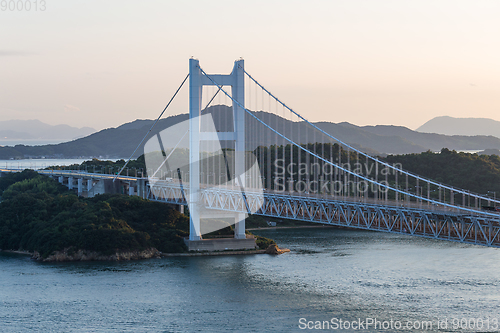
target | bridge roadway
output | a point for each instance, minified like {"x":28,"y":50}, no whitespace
{"x":89,"y":184}
{"x":416,"y":219}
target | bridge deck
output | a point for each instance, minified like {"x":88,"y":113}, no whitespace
{"x":378,"y":215}
{"x":411,"y":218}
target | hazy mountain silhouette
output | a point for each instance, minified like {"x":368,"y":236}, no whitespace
{"x":461,"y":126}
{"x":490,"y":152}
{"x":121,"y":141}
{"x":35,"y":129}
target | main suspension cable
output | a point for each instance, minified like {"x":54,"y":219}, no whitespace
{"x":448,"y":187}
{"x":180,"y":140}
{"x":345,"y":170}
{"x":152,"y":126}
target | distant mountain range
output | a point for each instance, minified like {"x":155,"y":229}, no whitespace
{"x":121,"y":141}
{"x":461,"y":126}
{"x":36,"y":130}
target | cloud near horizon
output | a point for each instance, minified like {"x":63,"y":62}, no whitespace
{"x":71,"y":108}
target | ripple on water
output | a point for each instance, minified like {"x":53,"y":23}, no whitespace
{"x":329,"y":273}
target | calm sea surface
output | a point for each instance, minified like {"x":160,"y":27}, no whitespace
{"x":330,"y":274}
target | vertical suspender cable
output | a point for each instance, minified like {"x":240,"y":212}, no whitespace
{"x":152,"y":126}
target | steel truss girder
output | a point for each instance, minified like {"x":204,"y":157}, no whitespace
{"x":471,"y":229}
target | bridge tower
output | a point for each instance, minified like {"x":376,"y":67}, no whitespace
{"x":196,"y":82}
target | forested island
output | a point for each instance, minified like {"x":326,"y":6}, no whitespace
{"x":41,"y":216}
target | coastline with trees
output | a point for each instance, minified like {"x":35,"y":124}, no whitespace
{"x":42,"y":217}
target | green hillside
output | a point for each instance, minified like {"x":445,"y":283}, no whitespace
{"x":473,"y":172}
{"x":39,"y":214}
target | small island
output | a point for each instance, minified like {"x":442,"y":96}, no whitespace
{"x":41,"y":217}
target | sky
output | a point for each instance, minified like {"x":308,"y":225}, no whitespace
{"x":367,"y":62}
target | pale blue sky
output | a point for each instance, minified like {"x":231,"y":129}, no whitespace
{"x":103,"y":63}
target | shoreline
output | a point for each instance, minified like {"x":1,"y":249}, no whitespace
{"x":18,"y":252}
{"x":157,"y":256}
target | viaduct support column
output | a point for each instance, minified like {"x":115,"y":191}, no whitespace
{"x":70,"y":183}
{"x":138,"y":193}
{"x":80,"y":185}
{"x":141,"y":188}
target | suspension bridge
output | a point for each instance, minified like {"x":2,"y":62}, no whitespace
{"x":244,"y":151}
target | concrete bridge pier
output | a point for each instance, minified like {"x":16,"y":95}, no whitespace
{"x":239,"y":226}
{"x":80,"y":186}
{"x":70,"y":183}
{"x":90,"y":184}
{"x":141,"y":188}
{"x":61,"y":179}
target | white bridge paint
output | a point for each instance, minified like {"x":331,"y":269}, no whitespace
{"x":196,"y":82}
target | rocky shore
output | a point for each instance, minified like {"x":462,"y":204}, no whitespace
{"x":82,"y":255}
{"x":274,"y":249}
